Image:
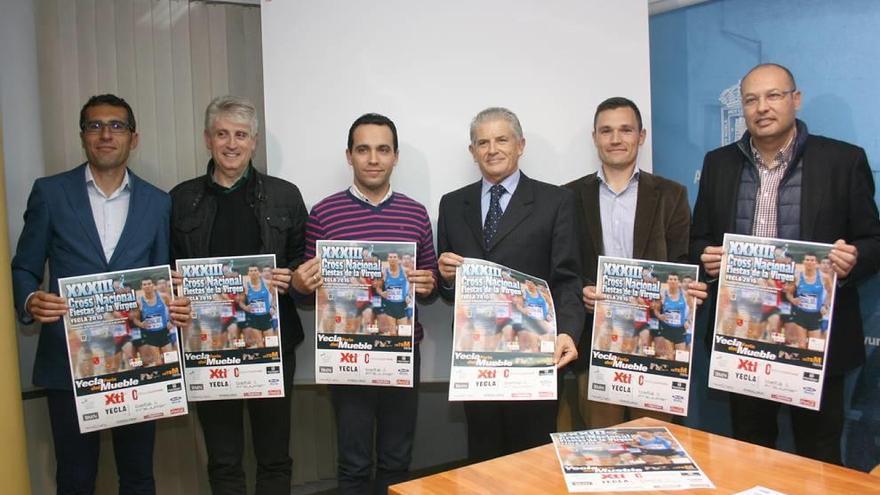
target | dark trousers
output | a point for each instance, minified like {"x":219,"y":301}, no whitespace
{"x":391,"y":413}
{"x":223,"y":425}
{"x":497,"y":428}
{"x":76,"y":454}
{"x":816,"y":433}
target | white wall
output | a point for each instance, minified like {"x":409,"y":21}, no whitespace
{"x":430,"y":67}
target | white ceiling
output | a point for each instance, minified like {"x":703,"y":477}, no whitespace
{"x":654,"y":6}
{"x":660,"y":6}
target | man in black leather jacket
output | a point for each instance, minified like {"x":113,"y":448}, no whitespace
{"x":234,"y":210}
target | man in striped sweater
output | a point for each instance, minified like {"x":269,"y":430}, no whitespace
{"x":370,"y":211}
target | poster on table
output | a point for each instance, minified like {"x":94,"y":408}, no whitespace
{"x":232,"y":349}
{"x":759,"y":490}
{"x":643,"y":335}
{"x":772,"y":321}
{"x":123,"y":347}
{"x":626,"y":459}
{"x":364,"y":313}
{"x":504,"y":335}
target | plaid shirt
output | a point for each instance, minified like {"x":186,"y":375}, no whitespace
{"x":766,"y":207}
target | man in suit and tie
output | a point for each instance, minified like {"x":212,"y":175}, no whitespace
{"x":627,"y":213}
{"x":781,"y":181}
{"x":98,"y":217}
{"x":529,"y":226}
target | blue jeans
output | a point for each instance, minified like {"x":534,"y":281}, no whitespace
{"x":76,"y":454}
{"x":391,"y":412}
{"x":223,"y":425}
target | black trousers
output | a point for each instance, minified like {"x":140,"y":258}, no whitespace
{"x":76,"y":454}
{"x":816,"y":433}
{"x":223,"y":425}
{"x":504,"y":427}
{"x":391,"y":413}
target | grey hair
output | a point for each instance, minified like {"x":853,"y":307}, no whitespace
{"x":496,"y":113}
{"x":235,"y":108}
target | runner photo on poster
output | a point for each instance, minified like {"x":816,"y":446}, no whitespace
{"x":123,"y":347}
{"x":626,"y":459}
{"x":364,"y":313}
{"x":772,"y":322}
{"x":504,"y":335}
{"x":643,"y":334}
{"x":232,"y":348}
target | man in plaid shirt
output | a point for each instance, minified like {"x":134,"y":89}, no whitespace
{"x":780,"y":181}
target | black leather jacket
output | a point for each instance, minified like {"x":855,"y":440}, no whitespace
{"x":279,"y":207}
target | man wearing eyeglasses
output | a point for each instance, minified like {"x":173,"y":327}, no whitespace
{"x":780,"y":181}
{"x":98,"y":217}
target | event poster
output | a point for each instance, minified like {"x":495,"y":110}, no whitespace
{"x":759,"y":490}
{"x":232,"y":349}
{"x":504,"y":335}
{"x":626,"y":459}
{"x":643,"y":334}
{"x":123,"y":347}
{"x":364,"y":313}
{"x":772,"y":321}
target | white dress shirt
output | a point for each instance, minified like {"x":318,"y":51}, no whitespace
{"x":109,"y":211}
{"x":363,"y":197}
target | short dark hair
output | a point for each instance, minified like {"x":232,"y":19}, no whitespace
{"x":770,"y":64}
{"x":614,"y":103}
{"x":107,"y":99}
{"x":372,"y":119}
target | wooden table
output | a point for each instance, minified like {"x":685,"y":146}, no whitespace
{"x":733,"y":466}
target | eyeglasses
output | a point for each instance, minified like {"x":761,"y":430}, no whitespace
{"x":96,"y":127}
{"x":771,"y":97}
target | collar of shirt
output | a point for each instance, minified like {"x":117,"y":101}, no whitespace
{"x":363,"y":197}
{"x":617,"y":214}
{"x":509,"y":183}
{"x":634,"y":178}
{"x":238,"y":183}
{"x":90,"y":179}
{"x":781,"y":159}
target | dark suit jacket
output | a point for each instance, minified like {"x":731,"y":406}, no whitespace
{"x":660,"y":232}
{"x":59,"y":227}
{"x":837,"y":202}
{"x":536,"y":236}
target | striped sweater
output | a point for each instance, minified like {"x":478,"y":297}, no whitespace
{"x":343,"y":217}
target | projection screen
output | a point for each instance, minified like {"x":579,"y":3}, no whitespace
{"x":430,"y":67}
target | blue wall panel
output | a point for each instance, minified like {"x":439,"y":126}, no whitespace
{"x":833,"y":49}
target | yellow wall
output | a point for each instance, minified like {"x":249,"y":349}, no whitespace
{"x":13,"y":455}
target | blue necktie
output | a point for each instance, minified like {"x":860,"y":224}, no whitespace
{"x":493,"y":217}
